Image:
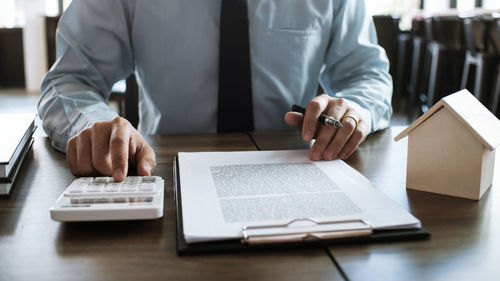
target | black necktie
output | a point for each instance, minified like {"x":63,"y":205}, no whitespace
{"x":235,"y":112}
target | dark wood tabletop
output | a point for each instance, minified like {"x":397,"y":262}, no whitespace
{"x":464,"y":243}
{"x":465,"y":234}
{"x":33,"y":247}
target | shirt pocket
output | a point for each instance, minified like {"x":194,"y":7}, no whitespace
{"x":291,"y":52}
{"x":294,"y":19}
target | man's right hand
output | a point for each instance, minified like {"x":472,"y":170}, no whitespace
{"x":107,"y":148}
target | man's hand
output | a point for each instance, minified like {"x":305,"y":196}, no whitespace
{"x":331,"y":142}
{"x":107,"y":148}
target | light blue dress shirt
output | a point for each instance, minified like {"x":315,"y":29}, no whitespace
{"x":173,"y":47}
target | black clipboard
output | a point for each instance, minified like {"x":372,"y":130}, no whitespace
{"x":238,"y":245}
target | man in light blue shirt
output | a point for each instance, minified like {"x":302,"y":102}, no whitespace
{"x":173,"y":47}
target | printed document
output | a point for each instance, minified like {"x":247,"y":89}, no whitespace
{"x":222,"y":192}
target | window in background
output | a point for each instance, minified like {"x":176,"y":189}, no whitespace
{"x":10,"y":16}
{"x":491,"y":4}
{"x":403,"y":8}
{"x":66,"y":4}
{"x":387,"y":7}
{"x":466,"y":5}
{"x":434,"y":6}
{"x":52,"y":7}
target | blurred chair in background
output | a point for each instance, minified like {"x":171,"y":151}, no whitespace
{"x":403,"y":69}
{"x":50,"y":33}
{"x":11,"y":58}
{"x":387,"y":34}
{"x":482,"y":58}
{"x":416,"y":68}
{"x":496,"y":94}
{"x":445,"y":58}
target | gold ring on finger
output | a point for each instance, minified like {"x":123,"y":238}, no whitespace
{"x":352,"y":117}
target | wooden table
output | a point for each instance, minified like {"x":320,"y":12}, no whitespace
{"x":465,"y":241}
{"x":32,"y":246}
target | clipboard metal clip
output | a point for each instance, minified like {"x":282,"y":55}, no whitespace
{"x":304,"y":230}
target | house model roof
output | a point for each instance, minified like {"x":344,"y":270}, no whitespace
{"x":468,"y":110}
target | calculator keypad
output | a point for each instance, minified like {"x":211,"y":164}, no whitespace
{"x":106,"y":186}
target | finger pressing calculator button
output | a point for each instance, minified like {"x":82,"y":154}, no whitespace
{"x":102,"y":179}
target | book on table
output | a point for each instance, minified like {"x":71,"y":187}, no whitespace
{"x":242,"y":200}
{"x":17,"y":131}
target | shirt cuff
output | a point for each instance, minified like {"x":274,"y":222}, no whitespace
{"x":81,"y":122}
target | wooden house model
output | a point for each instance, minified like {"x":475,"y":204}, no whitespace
{"x":451,"y":148}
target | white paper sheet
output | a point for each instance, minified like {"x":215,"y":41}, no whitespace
{"x":222,"y":192}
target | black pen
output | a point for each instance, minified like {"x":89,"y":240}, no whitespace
{"x":323,"y":118}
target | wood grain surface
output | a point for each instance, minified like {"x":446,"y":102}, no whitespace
{"x":33,"y":247}
{"x":465,"y":234}
{"x":465,"y":241}
{"x":464,"y":245}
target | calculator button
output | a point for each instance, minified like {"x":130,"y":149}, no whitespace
{"x":131,"y":180}
{"x":111,"y":189}
{"x":102,"y":180}
{"x":93,"y":188}
{"x":83,"y":181}
{"x":148,"y":179}
{"x":147,"y":187}
{"x":129,"y":188}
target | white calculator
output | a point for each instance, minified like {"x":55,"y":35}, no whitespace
{"x":101,"y":199}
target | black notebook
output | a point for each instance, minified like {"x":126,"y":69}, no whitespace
{"x":7,"y":183}
{"x":17,"y":130}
